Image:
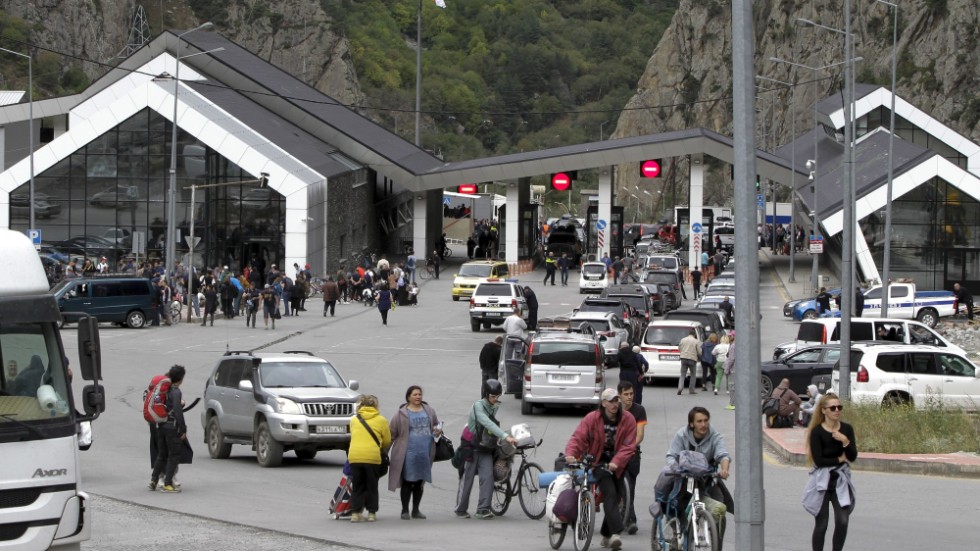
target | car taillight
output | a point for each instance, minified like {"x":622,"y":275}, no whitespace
{"x":527,"y":363}
{"x":862,"y":376}
{"x":513,"y":303}
{"x":472,"y":302}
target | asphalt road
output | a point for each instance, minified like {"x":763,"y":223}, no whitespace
{"x":235,"y":503}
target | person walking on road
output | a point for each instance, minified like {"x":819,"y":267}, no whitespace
{"x":608,"y":434}
{"x":170,"y":435}
{"x":720,"y":353}
{"x":563,"y":264}
{"x":482,"y":419}
{"x":823,"y":301}
{"x":382,"y":297}
{"x":532,"y":308}
{"x":550,"y":264}
{"x":831,"y":447}
{"x":858,"y":301}
{"x":708,"y":362}
{"x":369,"y":438}
{"x":628,"y":404}
{"x":696,"y":282}
{"x":489,"y":363}
{"x":415,"y":427}
{"x":629,"y":369}
{"x":331,"y":294}
{"x":690,"y":350}
{"x":515,"y":325}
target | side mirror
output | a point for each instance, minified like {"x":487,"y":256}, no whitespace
{"x":245,"y":385}
{"x":353,"y":384}
{"x":93,"y":400}
{"x":89,"y":349}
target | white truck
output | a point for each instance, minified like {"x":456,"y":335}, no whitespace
{"x":905,"y":302}
{"x":41,"y":505}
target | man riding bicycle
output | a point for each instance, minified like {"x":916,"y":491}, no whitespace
{"x":699,"y":436}
{"x":609,"y":435}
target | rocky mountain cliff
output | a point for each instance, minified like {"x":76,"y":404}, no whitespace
{"x":292,"y":34}
{"x":688,"y":81}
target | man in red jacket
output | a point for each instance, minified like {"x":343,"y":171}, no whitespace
{"x":609,"y":435}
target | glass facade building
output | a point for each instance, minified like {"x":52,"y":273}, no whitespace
{"x":109,"y":198}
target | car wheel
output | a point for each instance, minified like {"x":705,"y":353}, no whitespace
{"x":267,"y":450}
{"x":928,"y":317}
{"x":527,"y":408}
{"x":455,"y":299}
{"x":893,"y":399}
{"x":766,"y":386}
{"x":135,"y":319}
{"x":217,"y":447}
{"x":486,"y":325}
{"x":475,"y":325}
{"x":305,"y":455}
{"x":810,"y":315}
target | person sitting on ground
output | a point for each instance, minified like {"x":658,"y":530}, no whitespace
{"x":806,"y":408}
{"x":789,"y":401}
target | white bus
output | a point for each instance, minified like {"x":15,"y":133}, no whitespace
{"x":41,"y":505}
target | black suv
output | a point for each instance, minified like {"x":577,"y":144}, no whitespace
{"x":668,"y":277}
{"x":635,"y":295}
{"x":629,"y":315}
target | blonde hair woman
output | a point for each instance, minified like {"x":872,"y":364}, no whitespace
{"x":369,"y":438}
{"x":830,"y":446}
{"x":720,"y":352}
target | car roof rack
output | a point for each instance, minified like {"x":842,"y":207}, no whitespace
{"x":237,"y":353}
{"x":308,"y":353}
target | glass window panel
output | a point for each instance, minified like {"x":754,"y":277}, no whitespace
{"x":157,"y":189}
{"x":77,"y":213}
{"x":101,"y":166}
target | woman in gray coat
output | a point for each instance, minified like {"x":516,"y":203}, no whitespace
{"x":414,"y":429}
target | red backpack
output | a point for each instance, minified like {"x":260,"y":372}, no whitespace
{"x":155,"y":400}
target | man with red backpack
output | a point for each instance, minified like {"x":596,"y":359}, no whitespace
{"x":163,"y":408}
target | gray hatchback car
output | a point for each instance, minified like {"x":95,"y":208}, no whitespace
{"x":277,"y":403}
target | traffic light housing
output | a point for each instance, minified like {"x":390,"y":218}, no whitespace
{"x":650,"y":169}
{"x":758,"y":183}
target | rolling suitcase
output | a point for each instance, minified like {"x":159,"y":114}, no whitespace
{"x":340,"y":504}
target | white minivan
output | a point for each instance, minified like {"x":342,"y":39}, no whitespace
{"x":827,"y":331}
{"x":593,"y":277}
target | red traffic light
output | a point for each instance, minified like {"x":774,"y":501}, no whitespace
{"x":650,"y":169}
{"x":561,"y":181}
{"x":468,"y":189}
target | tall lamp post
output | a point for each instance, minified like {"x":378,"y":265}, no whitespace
{"x":172,"y":190}
{"x":887,"y":257}
{"x":30,"y":125}
{"x":792,"y":195}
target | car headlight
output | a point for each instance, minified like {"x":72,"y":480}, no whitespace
{"x":285,"y":405}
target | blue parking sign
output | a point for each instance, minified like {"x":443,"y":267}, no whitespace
{"x":35,"y":236}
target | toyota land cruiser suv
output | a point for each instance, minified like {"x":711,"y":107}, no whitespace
{"x":493,"y":301}
{"x":277,"y":403}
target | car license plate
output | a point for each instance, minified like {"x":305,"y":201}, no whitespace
{"x":562,"y":378}
{"x":493,"y":314}
{"x":331,"y":429}
{"x":670,"y":357}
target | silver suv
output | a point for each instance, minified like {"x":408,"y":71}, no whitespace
{"x":563,"y":367}
{"x":610,"y":329}
{"x":276,"y":403}
{"x":493,"y":301}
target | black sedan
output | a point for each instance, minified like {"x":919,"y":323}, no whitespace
{"x":799,"y":367}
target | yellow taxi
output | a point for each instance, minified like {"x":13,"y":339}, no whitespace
{"x":473,"y":273}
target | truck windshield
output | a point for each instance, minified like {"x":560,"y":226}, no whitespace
{"x":35,"y":398}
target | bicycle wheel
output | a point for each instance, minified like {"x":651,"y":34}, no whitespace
{"x":703,"y":534}
{"x":556,"y":533}
{"x":666,"y":534}
{"x":500,"y":500}
{"x":447,"y":252}
{"x":585,"y":524}
{"x":529,"y":491}
{"x":423,"y":274}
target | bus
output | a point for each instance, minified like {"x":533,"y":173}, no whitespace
{"x":41,"y":433}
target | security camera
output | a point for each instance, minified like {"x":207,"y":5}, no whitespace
{"x":810,"y":163}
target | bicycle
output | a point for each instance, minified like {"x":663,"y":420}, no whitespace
{"x":527,"y":488}
{"x":428,"y":272}
{"x":696,"y":529}
{"x":447,"y":252}
{"x":586,"y":487}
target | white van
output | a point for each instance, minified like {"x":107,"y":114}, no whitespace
{"x":593,"y":277}
{"x":827,"y":331}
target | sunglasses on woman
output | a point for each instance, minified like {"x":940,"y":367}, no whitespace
{"x":835,"y":408}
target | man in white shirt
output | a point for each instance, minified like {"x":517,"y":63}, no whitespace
{"x":515,"y":325}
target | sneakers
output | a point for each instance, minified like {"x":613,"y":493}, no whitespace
{"x":463,"y":514}
{"x":604,"y":542}
{"x":153,"y":485}
{"x":716,"y":392}
{"x":632,"y":529}
{"x":170,"y":489}
{"x":418,"y":515}
{"x":484,"y":515}
{"x":356,"y":517}
{"x":372,"y":517}
{"x":406,"y":516}
{"x":615,"y":542}
{"x":730,"y":406}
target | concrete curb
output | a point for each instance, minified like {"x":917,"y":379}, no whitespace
{"x":920,"y":464}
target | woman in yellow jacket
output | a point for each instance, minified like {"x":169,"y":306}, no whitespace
{"x":365,"y":457}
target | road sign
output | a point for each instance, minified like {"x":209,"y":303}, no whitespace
{"x":187,"y":239}
{"x":446,"y":200}
{"x":760,"y":200}
{"x":696,"y":227}
{"x":35,"y":236}
{"x":816,"y":245}
{"x":600,"y":224}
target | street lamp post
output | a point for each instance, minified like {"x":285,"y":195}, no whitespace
{"x":172,"y":190}
{"x":792,"y":209}
{"x":887,"y":257}
{"x":30,"y":125}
